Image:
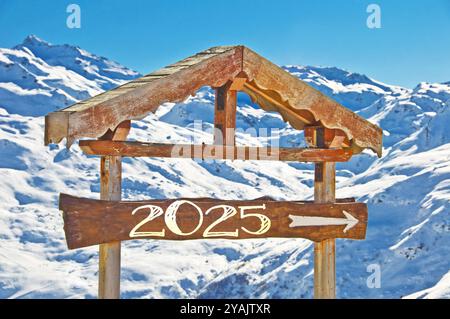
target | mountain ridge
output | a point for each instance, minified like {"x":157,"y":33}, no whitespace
{"x":54,"y":76}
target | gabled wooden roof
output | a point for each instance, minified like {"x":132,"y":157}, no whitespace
{"x":268,"y":85}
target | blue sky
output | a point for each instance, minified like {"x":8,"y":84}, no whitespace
{"x":413,"y":44}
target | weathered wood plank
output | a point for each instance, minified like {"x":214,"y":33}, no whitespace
{"x":95,"y":116}
{"x":56,"y":127}
{"x":138,"y":149}
{"x":268,"y":102}
{"x":90,"y":222}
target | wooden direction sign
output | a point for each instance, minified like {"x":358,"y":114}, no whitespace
{"x":91,"y":222}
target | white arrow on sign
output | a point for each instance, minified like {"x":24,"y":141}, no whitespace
{"x":301,"y":221}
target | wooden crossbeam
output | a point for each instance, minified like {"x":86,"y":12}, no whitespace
{"x":213,"y":152}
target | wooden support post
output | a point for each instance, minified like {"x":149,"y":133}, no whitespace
{"x":324,"y":251}
{"x":111,"y":189}
{"x":225,"y":115}
{"x":109,"y":254}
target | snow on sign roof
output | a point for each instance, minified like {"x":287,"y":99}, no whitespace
{"x":271,"y":87}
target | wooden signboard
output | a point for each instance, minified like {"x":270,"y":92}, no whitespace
{"x":332,"y":132}
{"x":91,"y":222}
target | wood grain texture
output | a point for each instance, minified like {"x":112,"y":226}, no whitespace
{"x":225,"y":115}
{"x":325,"y":269}
{"x":120,"y":133}
{"x":111,"y":189}
{"x":270,"y":86}
{"x":92,"y":118}
{"x":91,"y":222}
{"x":325,"y":250}
{"x":333,"y":138}
{"x":295,"y":95}
{"x":138,"y":149}
{"x":110,"y":251}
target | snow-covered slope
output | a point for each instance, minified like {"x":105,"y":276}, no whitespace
{"x":352,"y":90}
{"x":37,"y":78}
{"x":408,"y":190}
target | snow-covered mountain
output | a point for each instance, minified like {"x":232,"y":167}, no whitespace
{"x":353,"y":90}
{"x":408,"y":190}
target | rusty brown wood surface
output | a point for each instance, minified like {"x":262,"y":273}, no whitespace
{"x":91,"y":222}
{"x":333,"y":138}
{"x":120,"y":133}
{"x":225,"y":115}
{"x":111,"y":189}
{"x":269,"y":85}
{"x":109,"y":252}
{"x":295,"y":96}
{"x":324,"y":192}
{"x":209,"y":152}
{"x":93,"y":117}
